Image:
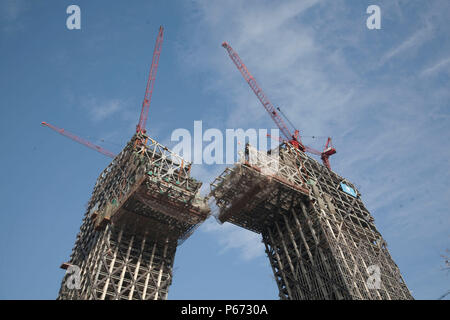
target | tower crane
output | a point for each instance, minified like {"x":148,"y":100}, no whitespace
{"x":293,"y":139}
{"x":140,"y":128}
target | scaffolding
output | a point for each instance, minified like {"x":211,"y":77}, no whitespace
{"x":320,"y":239}
{"x":144,"y":204}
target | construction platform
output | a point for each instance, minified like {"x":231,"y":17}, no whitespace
{"x":144,"y":205}
{"x":320,"y":239}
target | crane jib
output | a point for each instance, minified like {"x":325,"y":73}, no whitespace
{"x":151,"y":81}
{"x":293,"y":139}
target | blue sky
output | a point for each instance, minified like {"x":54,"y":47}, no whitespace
{"x":381,"y":94}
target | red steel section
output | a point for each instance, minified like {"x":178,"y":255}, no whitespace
{"x":325,"y":154}
{"x":293,"y":139}
{"x":80,"y":140}
{"x":150,"y":82}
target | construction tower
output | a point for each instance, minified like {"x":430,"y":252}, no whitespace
{"x":320,"y":238}
{"x":143,"y":205}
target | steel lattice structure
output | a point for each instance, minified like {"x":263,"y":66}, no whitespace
{"x":143,"y":206}
{"x":321,"y":241}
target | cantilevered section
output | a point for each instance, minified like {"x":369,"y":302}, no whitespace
{"x":143,"y":205}
{"x":320,"y":239}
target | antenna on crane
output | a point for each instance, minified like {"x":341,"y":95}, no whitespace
{"x":150,"y":82}
{"x":287,"y":119}
{"x":79,"y":140}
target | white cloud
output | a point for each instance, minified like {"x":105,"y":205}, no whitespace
{"x":414,"y":41}
{"x":390,"y":130}
{"x":11,"y":9}
{"x":101,"y":110}
{"x":10,"y":13}
{"x":231,"y":237}
{"x":437,"y":67}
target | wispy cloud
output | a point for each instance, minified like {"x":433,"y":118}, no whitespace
{"x":11,"y":9}
{"x":10,"y":13}
{"x":101,"y":110}
{"x":440,"y":65}
{"x":389,"y":130}
{"x":232,"y":237}
{"x":414,"y":41}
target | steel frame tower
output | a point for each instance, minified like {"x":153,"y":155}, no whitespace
{"x":321,"y":240}
{"x":143,"y":205}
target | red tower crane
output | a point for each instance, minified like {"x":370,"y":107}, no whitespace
{"x":79,"y":140}
{"x":140,"y":128}
{"x":293,"y":139}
